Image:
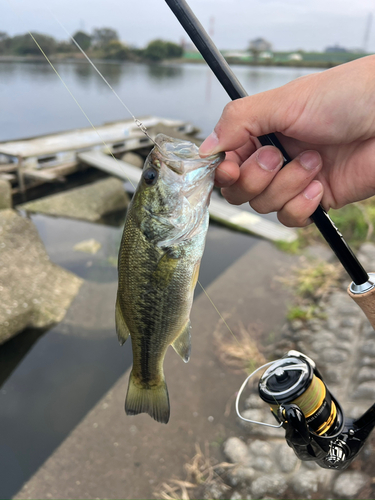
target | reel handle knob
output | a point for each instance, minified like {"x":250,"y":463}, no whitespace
{"x":294,"y":423}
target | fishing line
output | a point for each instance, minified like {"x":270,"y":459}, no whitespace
{"x":139,"y":124}
{"x":93,"y":126}
{"x":75,"y":100}
{"x":217,"y":310}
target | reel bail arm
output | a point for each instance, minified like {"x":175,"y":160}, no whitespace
{"x":313,"y":419}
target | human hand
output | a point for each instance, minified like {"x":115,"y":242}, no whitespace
{"x":325,"y":121}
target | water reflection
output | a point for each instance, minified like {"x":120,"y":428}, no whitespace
{"x":15,"y":349}
{"x":161,"y":72}
{"x":83,"y":72}
{"x":49,"y":393}
{"x":34,"y":102}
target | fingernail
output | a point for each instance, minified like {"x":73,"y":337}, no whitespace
{"x":310,"y":160}
{"x":313,"y":190}
{"x":210,"y":145}
{"x":269,"y":159}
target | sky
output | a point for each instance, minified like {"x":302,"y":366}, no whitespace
{"x":288,"y":24}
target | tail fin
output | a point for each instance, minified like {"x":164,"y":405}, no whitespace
{"x":154,"y":401}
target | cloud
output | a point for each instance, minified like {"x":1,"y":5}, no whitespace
{"x":288,"y":24}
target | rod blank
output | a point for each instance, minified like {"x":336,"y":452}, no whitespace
{"x":234,"y":89}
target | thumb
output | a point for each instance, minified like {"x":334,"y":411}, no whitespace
{"x":254,"y":116}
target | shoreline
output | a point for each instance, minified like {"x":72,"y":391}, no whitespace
{"x":69,"y":58}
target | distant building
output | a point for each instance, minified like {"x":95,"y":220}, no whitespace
{"x":336,"y":48}
{"x":266,"y":55}
{"x":260,"y":45}
{"x":295,"y":57}
{"x":238,"y":54}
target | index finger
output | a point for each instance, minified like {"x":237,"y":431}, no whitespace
{"x":228,"y":172}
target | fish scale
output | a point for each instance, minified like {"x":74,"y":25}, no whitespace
{"x":160,"y":253}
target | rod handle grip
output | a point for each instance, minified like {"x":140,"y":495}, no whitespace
{"x":366,"y":302}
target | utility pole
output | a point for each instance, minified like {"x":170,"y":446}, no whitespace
{"x":367,"y":32}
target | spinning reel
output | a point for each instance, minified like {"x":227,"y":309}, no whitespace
{"x":314,"y":422}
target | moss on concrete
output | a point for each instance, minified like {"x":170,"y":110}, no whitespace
{"x":34,"y":292}
{"x":90,"y":202}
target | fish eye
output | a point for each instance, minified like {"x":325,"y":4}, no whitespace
{"x":150,"y":176}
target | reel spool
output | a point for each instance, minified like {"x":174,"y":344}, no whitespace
{"x":291,"y":380}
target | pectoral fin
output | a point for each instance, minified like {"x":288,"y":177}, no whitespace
{"x":182,"y":344}
{"x":121,"y":328}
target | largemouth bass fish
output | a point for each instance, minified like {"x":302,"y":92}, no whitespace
{"x":160,"y":253}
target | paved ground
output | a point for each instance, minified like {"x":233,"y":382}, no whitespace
{"x":109,"y":455}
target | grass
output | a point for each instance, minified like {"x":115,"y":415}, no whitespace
{"x":355,"y":222}
{"x":313,"y":279}
{"x":201,"y":472}
{"x":239,"y":351}
{"x":304,"y":313}
{"x":310,"y":283}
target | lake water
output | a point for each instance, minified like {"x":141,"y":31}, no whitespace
{"x":49,"y":382}
{"x":33,"y":100}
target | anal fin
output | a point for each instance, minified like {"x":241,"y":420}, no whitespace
{"x":182,"y":344}
{"x":121,"y":327}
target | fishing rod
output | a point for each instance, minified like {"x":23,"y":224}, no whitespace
{"x":234,"y":89}
{"x":362,"y":288}
{"x":313,"y":419}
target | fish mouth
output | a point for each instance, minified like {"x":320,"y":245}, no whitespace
{"x":182,"y":156}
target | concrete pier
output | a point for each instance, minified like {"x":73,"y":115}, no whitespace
{"x":110,"y":455}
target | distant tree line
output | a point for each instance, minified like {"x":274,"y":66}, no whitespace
{"x":101,"y":43}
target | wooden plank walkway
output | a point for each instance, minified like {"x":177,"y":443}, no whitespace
{"x":220,"y":210}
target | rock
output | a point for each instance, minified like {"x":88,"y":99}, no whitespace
{"x":366,"y":373}
{"x":305,"y":484}
{"x":350,"y":322}
{"x":296,"y":324}
{"x":215,"y":490}
{"x":236,"y":450}
{"x":270,"y":484}
{"x":263,"y":464}
{"x":5,"y":195}
{"x":133,"y":159}
{"x":253,"y":401}
{"x":356,"y":411}
{"x":368,"y":348}
{"x":240,"y":475}
{"x":332,"y":322}
{"x":365,"y":361}
{"x":346,"y":333}
{"x":366,"y":390}
{"x":333,"y":375}
{"x":89,"y":202}
{"x":314,"y":325}
{"x":34,"y":292}
{"x":260,"y":415}
{"x":349,"y":484}
{"x":288,"y":461}
{"x":260,"y":447}
{"x":304,"y":335}
{"x":236,"y":496}
{"x":368,"y":330}
{"x":311,"y":465}
{"x":333,"y":355}
{"x":88,"y":246}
